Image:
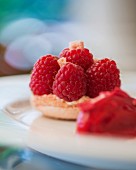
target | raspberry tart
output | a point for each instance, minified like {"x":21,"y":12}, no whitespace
{"x":58,"y":85}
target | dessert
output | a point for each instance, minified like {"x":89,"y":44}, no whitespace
{"x":58,"y":85}
{"x":110,"y":113}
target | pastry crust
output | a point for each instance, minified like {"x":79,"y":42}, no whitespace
{"x":54,"y":107}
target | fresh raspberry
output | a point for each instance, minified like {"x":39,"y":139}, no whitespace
{"x":43,"y":75}
{"x":103,"y":75}
{"x":70,"y":82}
{"x":77,"y":54}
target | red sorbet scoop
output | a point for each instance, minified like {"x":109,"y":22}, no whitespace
{"x":111,"y":113}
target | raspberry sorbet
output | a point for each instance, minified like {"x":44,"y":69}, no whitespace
{"x":110,"y":113}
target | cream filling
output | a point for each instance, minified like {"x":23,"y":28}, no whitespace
{"x":53,"y":100}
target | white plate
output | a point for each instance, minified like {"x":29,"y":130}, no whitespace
{"x":59,"y":138}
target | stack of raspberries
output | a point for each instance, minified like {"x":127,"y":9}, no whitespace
{"x":80,"y":74}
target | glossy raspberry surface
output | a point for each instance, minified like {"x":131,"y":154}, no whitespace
{"x":70,"y":82}
{"x":110,"y":113}
{"x":81,"y":57}
{"x":43,"y":75}
{"x":103,"y":75}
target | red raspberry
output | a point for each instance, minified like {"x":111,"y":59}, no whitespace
{"x":102,"y":76}
{"x":77,"y":54}
{"x":43,"y":75}
{"x":70,"y":82}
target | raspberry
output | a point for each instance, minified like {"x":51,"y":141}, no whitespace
{"x":43,"y":75}
{"x":102,"y":76}
{"x":70,"y":82}
{"x":77,"y":54}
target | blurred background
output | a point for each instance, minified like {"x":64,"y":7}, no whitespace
{"x":30,"y":29}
